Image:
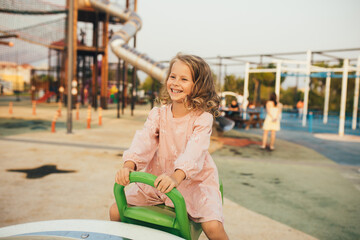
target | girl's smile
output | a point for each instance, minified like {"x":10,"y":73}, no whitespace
{"x":180,"y":82}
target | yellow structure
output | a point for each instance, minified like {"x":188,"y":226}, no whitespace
{"x":13,"y":77}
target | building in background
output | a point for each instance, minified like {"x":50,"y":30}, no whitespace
{"x":14,"y":77}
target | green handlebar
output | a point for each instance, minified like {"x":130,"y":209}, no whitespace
{"x":174,"y":195}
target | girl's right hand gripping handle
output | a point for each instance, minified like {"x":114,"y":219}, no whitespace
{"x":174,"y":195}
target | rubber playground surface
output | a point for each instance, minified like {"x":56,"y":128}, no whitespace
{"x":308,"y":188}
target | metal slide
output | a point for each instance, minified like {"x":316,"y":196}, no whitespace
{"x":119,"y":40}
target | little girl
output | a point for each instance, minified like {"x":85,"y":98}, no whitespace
{"x":173,"y":145}
{"x":272,"y":121}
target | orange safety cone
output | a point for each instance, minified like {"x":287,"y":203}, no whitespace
{"x":77,"y":111}
{"x":33,"y":107}
{"x":89,"y":117}
{"x":59,"y":110}
{"x":53,"y":123}
{"x":10,"y":108}
{"x":100,"y":116}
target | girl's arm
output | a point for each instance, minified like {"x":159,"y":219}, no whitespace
{"x":279,"y":110}
{"x":145,"y":142}
{"x":268,"y":103}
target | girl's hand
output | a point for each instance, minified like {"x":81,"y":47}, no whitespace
{"x":274,"y":119}
{"x":122,"y":176}
{"x":165,"y":183}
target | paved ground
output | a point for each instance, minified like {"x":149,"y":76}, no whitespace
{"x":294,"y":185}
{"x":286,"y":194}
{"x":331,"y":146}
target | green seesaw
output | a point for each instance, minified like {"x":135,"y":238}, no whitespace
{"x":168,"y":219}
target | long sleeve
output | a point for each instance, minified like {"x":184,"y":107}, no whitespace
{"x":191,"y":161}
{"x":145,"y":142}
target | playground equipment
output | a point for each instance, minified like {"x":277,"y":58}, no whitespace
{"x":102,"y":12}
{"x":309,"y":70}
{"x":78,"y":65}
{"x":45,"y":97}
{"x":172,"y":220}
{"x":151,"y":222}
{"x":284,"y":67}
{"x":82,"y":229}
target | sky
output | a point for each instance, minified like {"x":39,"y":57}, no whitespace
{"x":211,"y":28}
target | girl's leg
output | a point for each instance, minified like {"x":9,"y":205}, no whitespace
{"x":272,"y":140}
{"x":264,"y":140}
{"x":114,"y":213}
{"x":214,"y":230}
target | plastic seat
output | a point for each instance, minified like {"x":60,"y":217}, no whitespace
{"x":171,"y":220}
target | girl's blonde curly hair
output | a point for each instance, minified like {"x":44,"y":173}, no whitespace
{"x":203,"y":95}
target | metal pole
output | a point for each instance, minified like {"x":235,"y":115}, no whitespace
{"x":220,"y":64}
{"x":70,"y":47}
{"x":152,"y":92}
{"x":343,"y":98}
{"x":135,"y":5}
{"x":17,"y":77}
{"x":118,"y":87}
{"x":96,"y":72}
{"x":356,"y":96}
{"x":278,"y":80}
{"x":310,"y":125}
{"x":83,"y":80}
{"x":58,"y":84}
{"x":133,"y":90}
{"x":327,"y":97}
{"x":225,"y":74}
{"x":246,"y":90}
{"x":296,"y":86}
{"x":307,"y":87}
{"x":124,"y":73}
{"x":49,"y":72}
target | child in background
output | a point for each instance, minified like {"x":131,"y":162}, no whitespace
{"x":272,"y":121}
{"x":173,"y":145}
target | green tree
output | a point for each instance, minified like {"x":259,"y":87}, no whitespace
{"x":258,"y":79}
{"x":233,"y":84}
{"x":148,"y":86}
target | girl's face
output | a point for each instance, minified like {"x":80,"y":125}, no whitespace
{"x":180,"y":82}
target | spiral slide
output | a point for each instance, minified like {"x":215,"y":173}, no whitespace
{"x":118,"y":42}
{"x":121,"y":49}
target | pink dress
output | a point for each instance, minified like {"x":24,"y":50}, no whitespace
{"x":166,"y":144}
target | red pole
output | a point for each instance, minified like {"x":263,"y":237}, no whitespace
{"x":10,"y":108}
{"x":59,"y":110}
{"x":33,"y":107}
{"x":77,"y":111}
{"x":53,"y":123}
{"x":89,"y":117}
{"x":100,"y":116}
